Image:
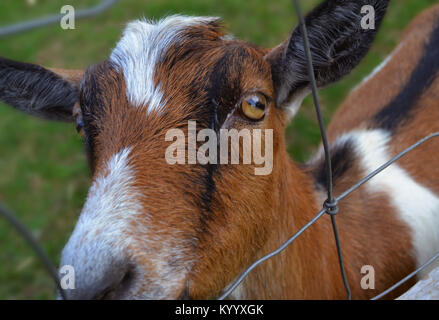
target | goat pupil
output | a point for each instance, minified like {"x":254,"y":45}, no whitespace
{"x":255,"y":102}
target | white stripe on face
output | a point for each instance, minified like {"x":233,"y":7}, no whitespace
{"x":114,"y":233}
{"x":140,"y":50}
{"x":99,"y":242}
{"x":112,"y":198}
{"x":416,"y":205}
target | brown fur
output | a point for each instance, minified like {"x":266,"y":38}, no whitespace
{"x":224,"y":218}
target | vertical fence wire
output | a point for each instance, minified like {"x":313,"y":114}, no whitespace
{"x":330,"y":204}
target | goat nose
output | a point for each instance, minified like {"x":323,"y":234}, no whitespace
{"x":97,"y":270}
{"x":99,"y":282}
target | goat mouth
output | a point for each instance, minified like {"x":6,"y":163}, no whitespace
{"x":119,"y":290}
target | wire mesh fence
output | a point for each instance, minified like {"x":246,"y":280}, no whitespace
{"x":330,"y":206}
{"x":332,"y":209}
{"x":38,"y":23}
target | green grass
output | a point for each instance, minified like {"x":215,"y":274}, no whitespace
{"x":43,"y":171}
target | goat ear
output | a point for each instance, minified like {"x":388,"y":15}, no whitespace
{"x":338,"y":43}
{"x":45,"y":93}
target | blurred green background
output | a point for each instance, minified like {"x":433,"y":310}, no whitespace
{"x":43,"y":171}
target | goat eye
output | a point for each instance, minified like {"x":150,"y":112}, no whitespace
{"x":254,"y":106}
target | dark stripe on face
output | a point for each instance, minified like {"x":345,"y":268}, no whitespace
{"x":225,"y":83}
{"x":92,"y":103}
{"x":223,"y":92}
{"x":402,"y":107}
{"x":342,"y":158}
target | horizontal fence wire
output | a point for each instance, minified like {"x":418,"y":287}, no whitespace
{"x":270,"y":255}
{"x":331,"y":205}
{"x":411,"y":275}
{"x":241,"y":278}
{"x":54,"y":19}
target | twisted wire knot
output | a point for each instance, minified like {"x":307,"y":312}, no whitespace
{"x":331,"y":207}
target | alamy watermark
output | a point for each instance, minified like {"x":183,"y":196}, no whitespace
{"x":223,"y":147}
{"x":368,"y":20}
{"x":368,"y":280}
{"x":68,"y":20}
{"x":67,"y":279}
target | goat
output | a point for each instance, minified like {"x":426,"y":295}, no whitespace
{"x":151,"y":230}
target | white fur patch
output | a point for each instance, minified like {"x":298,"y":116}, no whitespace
{"x":296,"y":103}
{"x":142,"y":45}
{"x":114,"y":231}
{"x":416,"y":205}
{"x":98,"y":243}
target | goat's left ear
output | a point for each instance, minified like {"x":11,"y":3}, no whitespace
{"x":338,"y":42}
{"x":46,"y":93}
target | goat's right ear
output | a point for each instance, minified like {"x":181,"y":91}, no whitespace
{"x":338,"y":43}
{"x":46,"y":93}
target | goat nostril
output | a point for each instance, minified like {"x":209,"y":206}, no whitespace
{"x":117,"y":289}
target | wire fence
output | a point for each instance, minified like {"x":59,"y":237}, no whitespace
{"x":38,"y":23}
{"x":330,"y":206}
